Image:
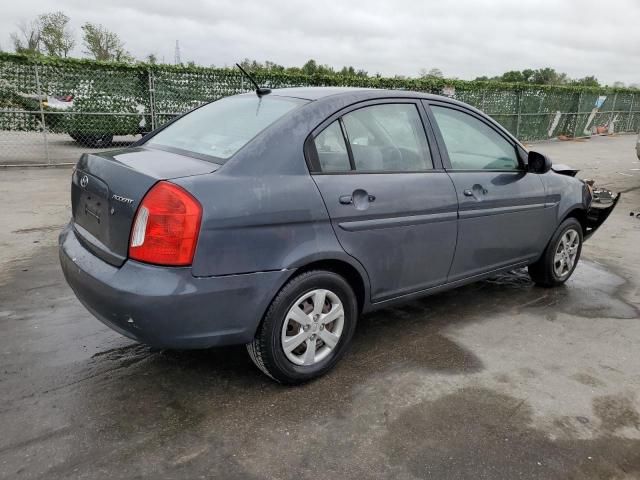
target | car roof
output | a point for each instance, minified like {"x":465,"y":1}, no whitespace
{"x":318,"y":93}
{"x":341,"y":96}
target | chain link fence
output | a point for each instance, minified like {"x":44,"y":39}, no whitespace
{"x":52,"y":110}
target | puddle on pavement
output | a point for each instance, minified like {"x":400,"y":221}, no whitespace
{"x":616,"y":411}
{"x":479,"y":433}
{"x":592,"y":292}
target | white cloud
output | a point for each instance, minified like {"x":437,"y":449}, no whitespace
{"x":466,"y":38}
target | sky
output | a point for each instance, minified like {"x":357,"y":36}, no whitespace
{"x":463,"y":38}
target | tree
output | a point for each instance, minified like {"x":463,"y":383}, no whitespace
{"x":352,"y":72}
{"x":433,"y":73}
{"x":313,"y":68}
{"x":103,"y":44}
{"x":542,"y":76}
{"x":347,"y":71}
{"x":527,"y":74}
{"x":548,"y":76}
{"x":55,"y":35}
{"x":512,"y":76}
{"x":273,"y":67}
{"x":151,"y":58}
{"x":310,"y":67}
{"x":589,"y":81}
{"x":28,"y":37}
{"x":618,"y":84}
{"x":325,"y":70}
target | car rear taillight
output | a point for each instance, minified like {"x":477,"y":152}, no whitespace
{"x":165,"y":229}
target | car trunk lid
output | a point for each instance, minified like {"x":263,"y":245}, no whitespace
{"x":107,"y":188}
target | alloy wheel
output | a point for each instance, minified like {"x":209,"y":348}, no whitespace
{"x":566,"y":254}
{"x":312,"y":327}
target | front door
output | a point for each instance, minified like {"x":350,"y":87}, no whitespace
{"x":502,"y":214}
{"x":390,"y":208}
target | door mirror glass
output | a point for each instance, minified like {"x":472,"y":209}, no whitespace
{"x":538,"y":163}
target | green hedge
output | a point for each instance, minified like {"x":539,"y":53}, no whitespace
{"x":137,"y":96}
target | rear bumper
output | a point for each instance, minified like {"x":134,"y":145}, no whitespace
{"x":168,"y":307}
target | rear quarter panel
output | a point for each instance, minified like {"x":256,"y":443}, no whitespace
{"x":254,"y":224}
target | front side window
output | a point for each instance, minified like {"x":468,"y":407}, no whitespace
{"x":388,"y":137}
{"x":472,"y":144}
{"x":221,"y":128}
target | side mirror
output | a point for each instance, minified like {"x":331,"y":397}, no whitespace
{"x":538,"y":163}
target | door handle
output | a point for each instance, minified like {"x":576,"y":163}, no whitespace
{"x":476,"y":191}
{"x":359,"y":198}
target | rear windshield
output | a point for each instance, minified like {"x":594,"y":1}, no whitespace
{"x":218,"y":130}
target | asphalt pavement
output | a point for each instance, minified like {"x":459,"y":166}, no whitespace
{"x":496,"y":380}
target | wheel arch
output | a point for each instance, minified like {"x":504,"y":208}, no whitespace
{"x":356,"y":277}
{"x":580,"y":214}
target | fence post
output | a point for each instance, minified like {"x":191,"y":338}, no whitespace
{"x":575,"y":127}
{"x":630,"y":121}
{"x":44,"y":125}
{"x":519,"y":97}
{"x":152,"y":99}
{"x":613,"y":110}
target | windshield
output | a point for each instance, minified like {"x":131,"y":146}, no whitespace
{"x":221,"y":128}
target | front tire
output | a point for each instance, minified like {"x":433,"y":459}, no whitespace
{"x":561,"y":256}
{"x":307,"y":328}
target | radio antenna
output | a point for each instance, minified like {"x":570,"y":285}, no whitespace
{"x":259,"y":90}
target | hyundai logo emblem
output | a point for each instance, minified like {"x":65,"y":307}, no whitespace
{"x":84,"y":181}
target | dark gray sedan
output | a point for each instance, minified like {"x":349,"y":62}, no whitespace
{"x":276,"y":219}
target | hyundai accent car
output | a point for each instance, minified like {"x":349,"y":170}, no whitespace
{"x":276,"y":219}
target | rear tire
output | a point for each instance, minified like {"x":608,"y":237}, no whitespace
{"x":307,"y":328}
{"x":560,"y":258}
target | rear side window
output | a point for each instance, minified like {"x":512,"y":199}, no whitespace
{"x":472,"y":144}
{"x":221,"y":128}
{"x":332,"y":150}
{"x":379,"y":138}
{"x":388,"y":137}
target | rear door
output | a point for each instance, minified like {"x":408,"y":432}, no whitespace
{"x":391,"y":204}
{"x":502,"y":214}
